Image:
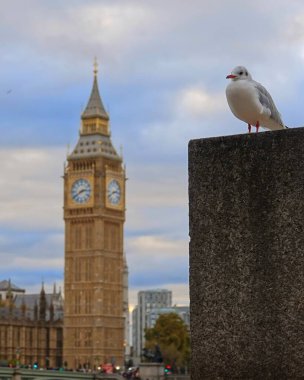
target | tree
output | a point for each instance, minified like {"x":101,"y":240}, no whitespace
{"x":170,"y":333}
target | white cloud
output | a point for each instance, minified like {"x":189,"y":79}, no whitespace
{"x":197,"y":102}
{"x":192,"y":111}
{"x":152,"y":246}
{"x":75,"y":33}
{"x":156,"y":197}
{"x":169,"y":185}
{"x":32,"y":190}
{"x":158,"y":262}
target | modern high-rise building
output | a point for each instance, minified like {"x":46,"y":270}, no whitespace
{"x":94,"y":215}
{"x":126,"y":313}
{"x":182,"y":311}
{"x":147,"y":301}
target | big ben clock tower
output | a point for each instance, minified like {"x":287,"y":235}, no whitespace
{"x":94,"y":214}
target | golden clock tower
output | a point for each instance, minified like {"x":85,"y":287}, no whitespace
{"x":94,"y":214}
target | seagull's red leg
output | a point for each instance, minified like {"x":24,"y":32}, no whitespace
{"x":249,"y":128}
{"x":257,"y":126}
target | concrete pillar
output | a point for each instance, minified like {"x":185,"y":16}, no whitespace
{"x":151,"y":371}
{"x":246,"y":209}
{"x":16,"y":374}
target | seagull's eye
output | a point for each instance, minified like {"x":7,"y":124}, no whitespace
{"x":241,"y":72}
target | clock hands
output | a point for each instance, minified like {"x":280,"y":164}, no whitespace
{"x":81,"y":191}
{"x":114,"y":192}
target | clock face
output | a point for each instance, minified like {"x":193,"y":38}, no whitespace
{"x":114,"y":192}
{"x":81,"y":191}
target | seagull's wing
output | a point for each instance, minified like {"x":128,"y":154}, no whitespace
{"x":267,"y":102}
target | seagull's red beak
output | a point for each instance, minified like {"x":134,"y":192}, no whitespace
{"x":230,"y":76}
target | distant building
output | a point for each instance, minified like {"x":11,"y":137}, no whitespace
{"x":135,"y":333}
{"x":31,"y":300}
{"x":7,"y":285}
{"x":30,"y":326}
{"x":126,"y":312}
{"x":147,"y":301}
{"x":182,"y":311}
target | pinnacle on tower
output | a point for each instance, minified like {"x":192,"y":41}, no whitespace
{"x":42,"y":304}
{"x":95,"y":107}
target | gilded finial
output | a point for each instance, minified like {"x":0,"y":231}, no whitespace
{"x":95,"y":64}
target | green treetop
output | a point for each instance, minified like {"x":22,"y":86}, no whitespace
{"x":170,"y":333}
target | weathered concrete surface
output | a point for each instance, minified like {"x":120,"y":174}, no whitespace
{"x":151,"y":371}
{"x":246,"y":200}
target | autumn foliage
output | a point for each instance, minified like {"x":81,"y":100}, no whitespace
{"x":171,"y":334}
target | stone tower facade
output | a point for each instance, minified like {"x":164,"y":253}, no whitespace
{"x":94,"y":215}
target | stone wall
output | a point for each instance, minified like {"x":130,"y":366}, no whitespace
{"x":246,"y":209}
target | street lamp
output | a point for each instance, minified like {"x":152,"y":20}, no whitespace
{"x":17,"y":357}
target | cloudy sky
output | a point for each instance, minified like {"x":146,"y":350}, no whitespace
{"x":162,"y":70}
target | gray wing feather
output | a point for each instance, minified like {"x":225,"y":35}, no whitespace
{"x":267,"y":102}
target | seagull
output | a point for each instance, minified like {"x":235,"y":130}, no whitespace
{"x":249,"y":101}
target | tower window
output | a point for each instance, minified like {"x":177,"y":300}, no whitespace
{"x":76,"y":236}
{"x":111,"y":236}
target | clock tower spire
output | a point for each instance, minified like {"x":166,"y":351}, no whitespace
{"x":94,"y":117}
{"x":94,"y":215}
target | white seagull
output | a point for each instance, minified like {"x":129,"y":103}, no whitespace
{"x":249,"y":101}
